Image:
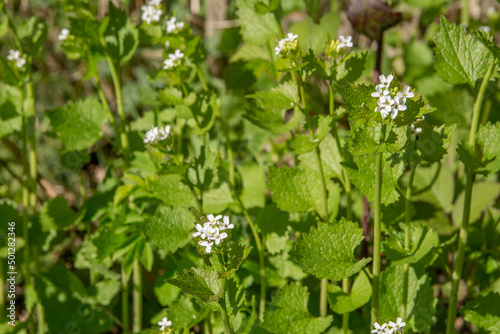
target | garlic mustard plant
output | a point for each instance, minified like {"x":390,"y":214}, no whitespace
{"x":391,"y":101}
{"x":16,"y":57}
{"x":287,"y":47}
{"x":174,"y":60}
{"x":165,"y":325}
{"x":174,"y":26}
{"x":156,"y":134}
{"x":151,"y":12}
{"x":64,"y":34}
{"x":213,"y":231}
{"x":390,"y":328}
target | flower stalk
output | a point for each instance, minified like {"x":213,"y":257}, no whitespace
{"x":464,"y":226}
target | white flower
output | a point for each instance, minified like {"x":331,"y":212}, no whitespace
{"x":173,"y":27}
{"x":150,"y":14}
{"x":378,"y":328}
{"x":155,"y":2}
{"x":167,"y":45}
{"x":399,"y":324}
{"x":164,"y":323}
{"x":385,"y":82}
{"x":226,"y":225}
{"x":203,"y":231}
{"x":397,"y":107}
{"x":15,"y":55}
{"x":173,"y":60}
{"x":380,"y":92}
{"x":156,"y":134}
{"x":64,"y":34}
{"x":406,"y":93}
{"x":287,"y":45}
{"x":207,"y":244}
{"x":385,"y":103}
{"x":345,"y":42}
{"x":213,"y":220}
{"x":217,"y":237}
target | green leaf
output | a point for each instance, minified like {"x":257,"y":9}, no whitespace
{"x":488,"y":137}
{"x":234,"y":297}
{"x":78,"y":125}
{"x":460,"y":58}
{"x":284,"y":96}
{"x":204,"y":110}
{"x":171,"y":190}
{"x":295,"y":190}
{"x":10,"y":110}
{"x":32,"y":32}
{"x":217,"y":199}
{"x":256,"y":28}
{"x":146,"y":255}
{"x":57,"y":215}
{"x":421,"y":302}
{"x":351,"y":68}
{"x":362,"y":174}
{"x":170,"y":228}
{"x":484,"y":312}
{"x":121,"y":36}
{"x":253,"y":181}
{"x":182,"y":313}
{"x":105,"y":291}
{"x":235,"y":257}
{"x":200,"y":282}
{"x":484,"y":195}
{"x":328,"y":250}
{"x":360,"y":103}
{"x":423,"y":241}
{"x":272,"y":220}
{"x":302,"y":144}
{"x":330,"y":157}
{"x":468,"y":157}
{"x":341,"y":302}
{"x":287,"y":313}
{"x":367,"y":140}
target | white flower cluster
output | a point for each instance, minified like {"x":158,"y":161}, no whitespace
{"x":15,"y":56}
{"x":173,"y":27}
{"x":151,"y":12}
{"x":211,"y":231}
{"x":392,"y":327}
{"x":389,"y":103}
{"x":287,"y":45}
{"x":64,"y":34}
{"x":334,"y":46}
{"x":156,"y":134}
{"x":164,"y":324}
{"x":173,"y":60}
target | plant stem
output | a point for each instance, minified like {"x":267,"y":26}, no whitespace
{"x":464,"y":226}
{"x":346,"y":282}
{"x":125,"y":313}
{"x":262,"y":261}
{"x":2,"y":290}
{"x":464,"y":12}
{"x":119,"y":106}
{"x":323,"y":305}
{"x":137,"y":297}
{"x":377,"y":233}
{"x":228,"y":328}
{"x":409,"y":191}
{"x":104,"y":102}
{"x":200,"y":76}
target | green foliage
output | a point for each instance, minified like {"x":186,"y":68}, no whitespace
{"x":288,"y":313}
{"x":10,"y":110}
{"x":295,"y":190}
{"x":460,"y":58}
{"x":57,"y":215}
{"x":360,"y":293}
{"x":484,"y":312}
{"x":423,"y":241}
{"x":202,"y":283}
{"x":328,"y":250}
{"x":78,"y":125}
{"x":256,"y":27}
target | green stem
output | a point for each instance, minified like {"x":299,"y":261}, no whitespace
{"x":125,"y":313}
{"x":262,"y":261}
{"x":377,"y":234}
{"x":2,"y":289}
{"x":323,"y":305}
{"x":104,"y":102}
{"x":464,"y":12}
{"x":200,"y":76}
{"x":119,"y":106}
{"x":137,"y":297}
{"x":464,"y":226}
{"x":409,"y":191}
{"x":228,"y":328}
